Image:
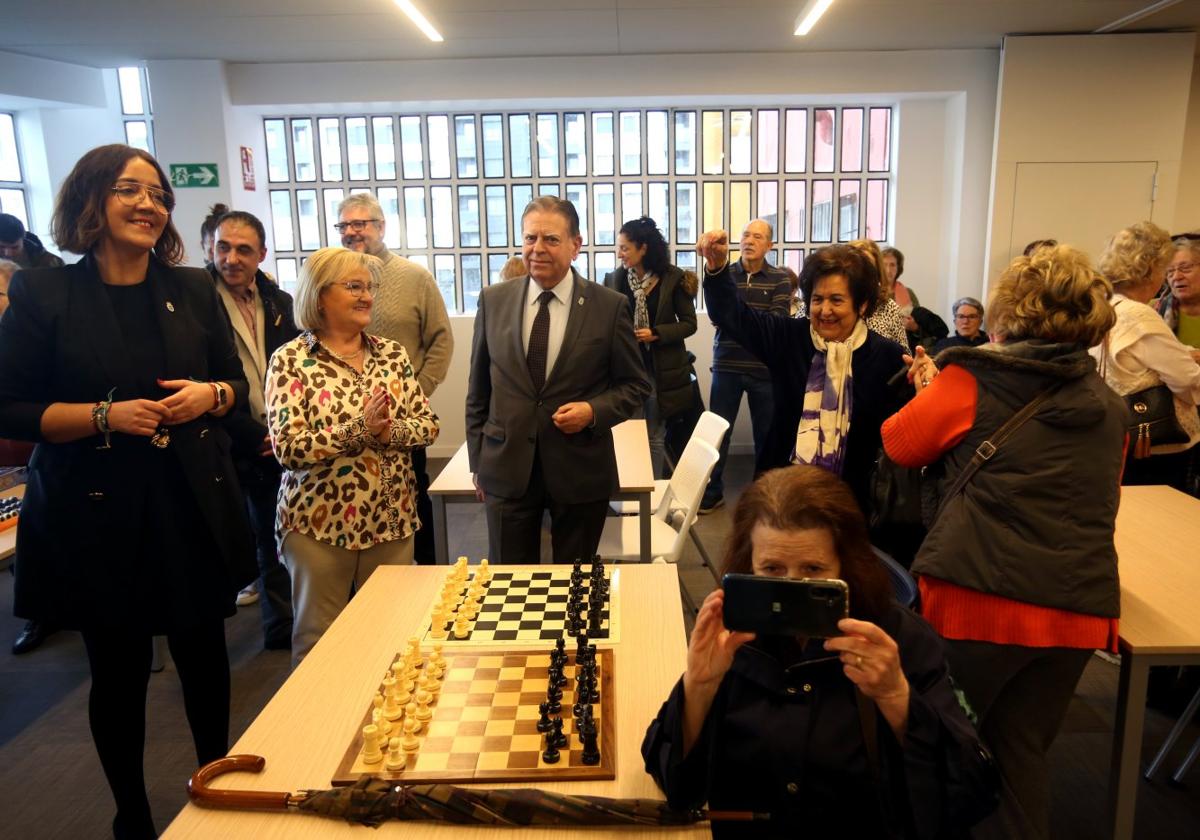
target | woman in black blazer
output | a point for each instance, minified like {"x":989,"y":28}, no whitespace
{"x":664,"y":317}
{"x":132,"y":524}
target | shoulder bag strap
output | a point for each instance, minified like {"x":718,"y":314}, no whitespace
{"x":988,"y":448}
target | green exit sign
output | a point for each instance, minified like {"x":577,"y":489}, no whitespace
{"x":194,"y":175}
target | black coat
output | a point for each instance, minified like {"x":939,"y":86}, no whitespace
{"x":279,"y":327}
{"x":785,"y":346}
{"x":60,"y":342}
{"x":674,"y":320}
{"x":789,"y":741}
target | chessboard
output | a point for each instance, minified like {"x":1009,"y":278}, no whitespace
{"x":520,"y":608}
{"x":487,"y":717}
{"x":10,"y":512}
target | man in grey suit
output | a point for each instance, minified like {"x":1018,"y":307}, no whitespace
{"x":554,"y":366}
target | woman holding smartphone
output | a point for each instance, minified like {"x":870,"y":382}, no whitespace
{"x":850,"y":734}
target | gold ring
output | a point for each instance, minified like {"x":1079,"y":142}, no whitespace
{"x":858,"y":663}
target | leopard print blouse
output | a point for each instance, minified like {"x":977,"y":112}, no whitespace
{"x":341,"y":485}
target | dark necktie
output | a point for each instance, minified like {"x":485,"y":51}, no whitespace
{"x":539,"y":341}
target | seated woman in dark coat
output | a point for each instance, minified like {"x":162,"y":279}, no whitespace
{"x":846,"y":737}
{"x":830,"y":373}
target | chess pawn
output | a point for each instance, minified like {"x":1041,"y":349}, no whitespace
{"x":377,"y":717}
{"x":371,"y":753}
{"x":403,"y":698}
{"x":410,"y":713}
{"x":461,"y":626}
{"x":410,"y":741}
{"x":396,"y":759}
{"x":423,"y":712}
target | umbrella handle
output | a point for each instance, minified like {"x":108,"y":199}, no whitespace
{"x":249,"y":800}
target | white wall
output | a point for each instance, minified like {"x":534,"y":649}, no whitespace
{"x":1187,"y":208}
{"x":1089,"y":98}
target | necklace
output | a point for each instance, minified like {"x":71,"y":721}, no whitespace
{"x":347,"y":357}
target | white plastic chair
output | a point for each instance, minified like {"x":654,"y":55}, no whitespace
{"x":710,"y":428}
{"x":672,"y":521}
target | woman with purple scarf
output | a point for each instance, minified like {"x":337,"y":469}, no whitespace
{"x":830,"y":373}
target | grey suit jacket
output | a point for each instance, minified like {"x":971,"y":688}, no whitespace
{"x":508,"y":421}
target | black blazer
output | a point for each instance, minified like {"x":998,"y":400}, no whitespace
{"x":60,"y":342}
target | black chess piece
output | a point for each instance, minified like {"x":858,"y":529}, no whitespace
{"x":591,"y":750}
{"x":556,"y":736}
{"x":560,"y":678}
{"x":543,"y":724}
{"x":577,"y":566}
{"x":553,"y":696}
{"x":550,"y":756}
{"x":560,"y":647}
{"x":581,"y":643}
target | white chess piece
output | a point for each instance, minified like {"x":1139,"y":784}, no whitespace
{"x":396,"y":759}
{"x":371,"y":753}
{"x":410,"y":741}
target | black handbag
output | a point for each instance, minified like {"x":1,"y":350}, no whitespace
{"x":1153,"y":421}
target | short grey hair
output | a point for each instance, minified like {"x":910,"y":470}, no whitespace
{"x":966,"y":301}
{"x":365,"y":200}
{"x":326,"y":266}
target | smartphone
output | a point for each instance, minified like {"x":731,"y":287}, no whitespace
{"x":781,"y":607}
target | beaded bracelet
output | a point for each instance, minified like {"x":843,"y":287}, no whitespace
{"x":100,"y":419}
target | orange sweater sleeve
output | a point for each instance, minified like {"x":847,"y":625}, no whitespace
{"x":935,"y":420}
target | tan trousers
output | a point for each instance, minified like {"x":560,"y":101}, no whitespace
{"x":322,"y":577}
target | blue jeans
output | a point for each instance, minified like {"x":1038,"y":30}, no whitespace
{"x":725,"y":399}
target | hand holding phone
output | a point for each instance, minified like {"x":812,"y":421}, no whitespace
{"x":775,"y":606}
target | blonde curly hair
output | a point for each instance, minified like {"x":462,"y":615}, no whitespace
{"x":1053,"y":294}
{"x":871,"y":249}
{"x":1137,"y":255}
{"x":323,"y":267}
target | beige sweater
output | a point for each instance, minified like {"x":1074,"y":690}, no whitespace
{"x":409,"y":309}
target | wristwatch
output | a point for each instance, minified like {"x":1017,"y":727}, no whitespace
{"x":220,"y":398}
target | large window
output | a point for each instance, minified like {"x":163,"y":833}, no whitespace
{"x":135,"y":107}
{"x":453,"y":186}
{"x":12,"y":181}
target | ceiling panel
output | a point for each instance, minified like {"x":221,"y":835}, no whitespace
{"x":113,"y":32}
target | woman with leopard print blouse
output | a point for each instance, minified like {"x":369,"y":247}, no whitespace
{"x":344,"y":409}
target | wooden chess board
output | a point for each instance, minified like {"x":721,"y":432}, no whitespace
{"x":527,"y":608}
{"x":484,"y":725}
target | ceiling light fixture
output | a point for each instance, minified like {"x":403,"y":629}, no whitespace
{"x":810,"y":14}
{"x":422,"y":22}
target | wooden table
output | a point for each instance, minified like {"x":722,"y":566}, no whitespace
{"x":8,"y":539}
{"x":305,"y":728}
{"x":1158,"y":550}
{"x":635,"y":475}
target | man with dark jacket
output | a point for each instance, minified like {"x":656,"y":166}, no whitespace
{"x":261,"y":316}
{"x":22,"y":247}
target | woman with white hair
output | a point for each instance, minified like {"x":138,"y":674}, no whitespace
{"x":968,"y":326}
{"x":1141,"y":352}
{"x":344,"y":409}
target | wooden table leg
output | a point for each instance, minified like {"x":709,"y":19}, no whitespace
{"x":644,"y":525}
{"x":441,"y":553}
{"x":1127,"y":742}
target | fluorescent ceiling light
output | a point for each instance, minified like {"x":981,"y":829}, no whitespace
{"x":810,"y":14}
{"x":414,"y":14}
{"x":1153,"y":8}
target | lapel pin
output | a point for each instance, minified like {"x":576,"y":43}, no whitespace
{"x":580,"y":301}
{"x":170,"y":306}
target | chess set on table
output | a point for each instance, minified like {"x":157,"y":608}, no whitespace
{"x":466,"y":714}
{"x":10,"y":510}
{"x":525,"y":607}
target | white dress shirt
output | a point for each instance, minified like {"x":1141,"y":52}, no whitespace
{"x":559,"y":309}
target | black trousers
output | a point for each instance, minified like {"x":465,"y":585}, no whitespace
{"x":120,"y":663}
{"x":1021,"y":695}
{"x":515,"y":525}
{"x":423,"y":550}
{"x":275,"y":584}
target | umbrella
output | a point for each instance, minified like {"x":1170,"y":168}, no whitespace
{"x":371,"y":801}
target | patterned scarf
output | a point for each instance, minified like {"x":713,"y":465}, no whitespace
{"x":828,"y":402}
{"x":641,"y":286}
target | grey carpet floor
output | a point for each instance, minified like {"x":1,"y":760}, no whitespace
{"x":51,"y":785}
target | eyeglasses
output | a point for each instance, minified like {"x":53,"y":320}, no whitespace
{"x":1182,"y":268}
{"x":356,"y":226}
{"x":131,"y":193}
{"x":966,"y":317}
{"x":357,"y":288}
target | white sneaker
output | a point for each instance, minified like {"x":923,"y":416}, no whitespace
{"x":248,"y":596}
